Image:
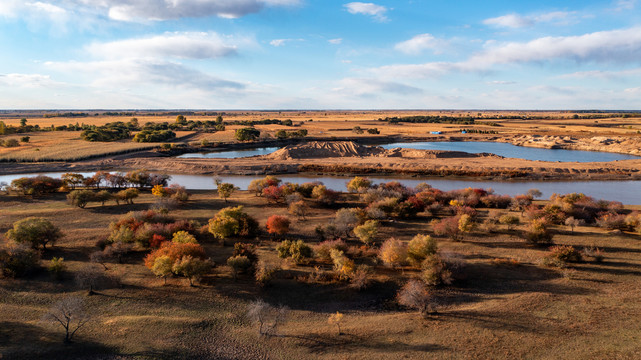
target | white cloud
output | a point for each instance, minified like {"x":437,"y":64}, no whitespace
{"x":27,"y":80}
{"x":520,"y":21}
{"x":157,"y":10}
{"x":335,"y":41}
{"x":421,"y":42}
{"x":510,"y":20}
{"x":601,"y":74}
{"x":279,"y":42}
{"x":372,"y":87}
{"x":501,"y":82}
{"x":376,"y":11}
{"x":191,"y":45}
{"x":615,"y":46}
{"x":622,"y":5}
{"x":144,"y":72}
{"x":142,"y":10}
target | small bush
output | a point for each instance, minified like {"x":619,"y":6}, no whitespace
{"x":264,"y":274}
{"x":436,"y":271}
{"x":449,"y":227}
{"x":343,"y":265}
{"x":323,"y":250}
{"x":538,"y":232}
{"x":420,"y":247}
{"x":183,"y":237}
{"x":593,"y":252}
{"x":367,"y":232}
{"x":565,"y":254}
{"x":393,"y":252}
{"x":277,"y":224}
{"x":17,"y":260}
{"x":509,"y":220}
{"x":239,"y":264}
{"x":57,"y":267}
{"x":299,"y":251}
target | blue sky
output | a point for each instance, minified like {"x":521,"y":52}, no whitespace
{"x":320,"y":54}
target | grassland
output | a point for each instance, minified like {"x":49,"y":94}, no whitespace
{"x":67,"y":146}
{"x":499,"y":311}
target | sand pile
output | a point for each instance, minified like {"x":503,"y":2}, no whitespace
{"x":617,"y":144}
{"x":338,"y":149}
{"x":321,"y":149}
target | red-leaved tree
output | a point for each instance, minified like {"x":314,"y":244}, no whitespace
{"x":277,"y":224}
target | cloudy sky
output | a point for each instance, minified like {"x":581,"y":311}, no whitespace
{"x":320,"y":54}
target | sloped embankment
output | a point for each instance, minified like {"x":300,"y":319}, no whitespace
{"x":341,"y":149}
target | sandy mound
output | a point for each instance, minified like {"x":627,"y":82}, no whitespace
{"x":318,"y":149}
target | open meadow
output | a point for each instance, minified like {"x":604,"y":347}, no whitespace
{"x":505,"y":296}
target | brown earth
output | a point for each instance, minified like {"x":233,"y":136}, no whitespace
{"x":350,"y":158}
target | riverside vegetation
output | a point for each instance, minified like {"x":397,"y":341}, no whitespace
{"x":141,"y":269}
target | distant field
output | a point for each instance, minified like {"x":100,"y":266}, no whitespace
{"x":65,"y":146}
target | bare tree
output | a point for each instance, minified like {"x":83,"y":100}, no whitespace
{"x":268,"y":317}
{"x":70,"y":313}
{"x":572,"y":223}
{"x":414,"y":294}
{"x":100,"y":257}
{"x":90,"y":278}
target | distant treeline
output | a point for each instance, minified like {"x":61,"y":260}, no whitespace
{"x":287,"y":122}
{"x":430,"y":120}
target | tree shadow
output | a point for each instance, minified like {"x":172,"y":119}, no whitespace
{"x":349,"y":343}
{"x":19,"y":340}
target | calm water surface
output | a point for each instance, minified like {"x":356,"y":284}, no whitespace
{"x":513,"y":151}
{"x":627,"y":192}
{"x":502,"y":149}
{"x":234,"y":154}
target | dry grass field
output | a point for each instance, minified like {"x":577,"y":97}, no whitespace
{"x":500,"y":310}
{"x":67,"y":146}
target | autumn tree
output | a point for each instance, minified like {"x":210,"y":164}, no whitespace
{"x":233,"y":221}
{"x":162,"y":267}
{"x":572,"y":223}
{"x":277,"y":224}
{"x":367,"y":232}
{"x":336,"y":319}
{"x":183,"y":237}
{"x":34,"y":231}
{"x":509,"y":220}
{"x":225,"y":190}
{"x":192,"y":267}
{"x":359,"y":184}
{"x":72,"y":179}
{"x":81,"y":198}
{"x":420,"y":247}
{"x":299,"y":209}
{"x":393,"y":252}
{"x":239,"y":264}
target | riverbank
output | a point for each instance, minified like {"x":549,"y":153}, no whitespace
{"x":331,"y":159}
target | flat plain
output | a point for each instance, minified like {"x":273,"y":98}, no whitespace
{"x":507,"y":303}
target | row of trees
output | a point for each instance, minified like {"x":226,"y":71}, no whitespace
{"x":39,"y":185}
